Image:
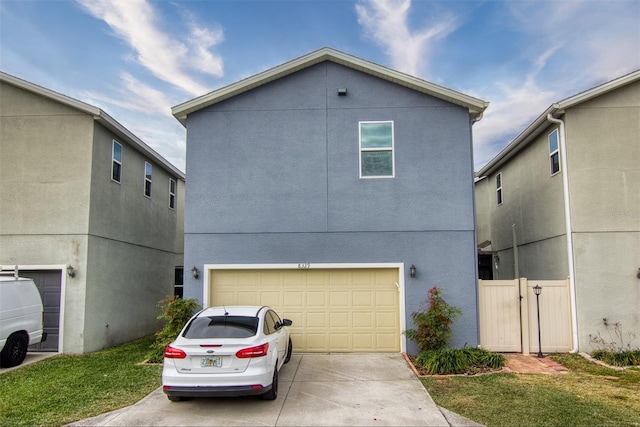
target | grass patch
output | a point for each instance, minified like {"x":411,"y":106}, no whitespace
{"x":588,"y":394}
{"x":67,"y":388}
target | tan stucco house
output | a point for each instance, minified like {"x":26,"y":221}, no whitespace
{"x":567,"y":192}
{"x":89,"y":211}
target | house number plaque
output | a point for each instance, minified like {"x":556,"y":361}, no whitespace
{"x":304,"y":265}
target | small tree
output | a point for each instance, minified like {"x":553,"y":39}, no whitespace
{"x":176,"y":312}
{"x":433,"y":326}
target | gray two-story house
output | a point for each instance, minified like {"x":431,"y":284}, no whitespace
{"x":337,"y":191}
{"x":90,"y":212}
{"x":562,"y":200}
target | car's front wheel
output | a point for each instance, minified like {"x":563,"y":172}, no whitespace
{"x":273,"y":393}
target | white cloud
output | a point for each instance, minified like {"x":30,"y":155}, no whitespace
{"x":135,"y":96}
{"x":136,"y":23}
{"x":386,"y":22}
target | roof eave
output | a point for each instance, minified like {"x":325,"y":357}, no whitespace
{"x":475,"y":106}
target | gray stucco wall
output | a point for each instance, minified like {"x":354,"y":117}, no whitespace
{"x":273,"y":178}
{"x":60,"y":207}
{"x":603,"y":138}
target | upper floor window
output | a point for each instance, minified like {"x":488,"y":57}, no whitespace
{"x":116,"y":161}
{"x":554,"y":153}
{"x":147,"y":178}
{"x":376,"y":150}
{"x":172,"y":193}
{"x":499,"y":188}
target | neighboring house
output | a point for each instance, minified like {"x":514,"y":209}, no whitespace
{"x":575,"y":168}
{"x":90,"y":212}
{"x":316,"y":185}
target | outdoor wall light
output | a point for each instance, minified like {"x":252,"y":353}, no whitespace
{"x":194,"y":272}
{"x":496,"y":260}
{"x":412,"y":271}
{"x":70,"y":271}
{"x":342,"y":91}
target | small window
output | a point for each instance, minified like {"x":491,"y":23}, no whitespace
{"x":116,"y":161}
{"x":178,"y":283}
{"x":376,"y":150}
{"x":554,"y":153}
{"x":172,"y":193}
{"x":499,"y":188}
{"x":147,"y":179}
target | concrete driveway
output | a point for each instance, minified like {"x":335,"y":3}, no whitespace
{"x":314,"y":390}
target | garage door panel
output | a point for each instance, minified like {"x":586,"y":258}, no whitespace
{"x":339,"y":299}
{"x":332,"y":310}
{"x":316,"y":299}
{"x":293,"y":299}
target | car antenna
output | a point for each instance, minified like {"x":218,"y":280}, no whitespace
{"x":226,"y":313}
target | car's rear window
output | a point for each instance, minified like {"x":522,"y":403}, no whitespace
{"x":222,"y":327}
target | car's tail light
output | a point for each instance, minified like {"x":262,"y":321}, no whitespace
{"x":257,"y":351}
{"x":174,"y":353}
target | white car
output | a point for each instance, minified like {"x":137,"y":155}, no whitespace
{"x":227,"y":351}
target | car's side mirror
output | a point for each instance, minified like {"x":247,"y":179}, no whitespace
{"x":287,"y":322}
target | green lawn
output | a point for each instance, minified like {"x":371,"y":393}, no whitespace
{"x":65,"y":388}
{"x":588,"y":395}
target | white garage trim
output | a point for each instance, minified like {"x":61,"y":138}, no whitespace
{"x":63,"y":286}
{"x":318,"y":266}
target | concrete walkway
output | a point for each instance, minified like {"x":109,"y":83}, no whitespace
{"x":315,"y":390}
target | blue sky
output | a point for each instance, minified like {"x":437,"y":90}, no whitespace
{"x":136,"y":59}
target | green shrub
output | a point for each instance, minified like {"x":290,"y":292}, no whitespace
{"x":176,"y":312}
{"x":459,"y":361}
{"x":618,"y":358}
{"x":433,"y":326}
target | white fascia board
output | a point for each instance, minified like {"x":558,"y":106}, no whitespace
{"x":474,"y":105}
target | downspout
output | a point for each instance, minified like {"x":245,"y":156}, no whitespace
{"x":569,"y":229}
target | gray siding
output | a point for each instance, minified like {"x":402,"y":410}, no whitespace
{"x":273,"y":178}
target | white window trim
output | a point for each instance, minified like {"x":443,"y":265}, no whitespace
{"x":392,"y":149}
{"x":306,"y":266}
{"x":173,"y":194}
{"x":499,"y":190}
{"x":144,"y":187}
{"x":113,"y":160}
{"x":556,"y":151}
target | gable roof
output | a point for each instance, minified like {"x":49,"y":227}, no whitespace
{"x":98,"y":115}
{"x":474,"y":105}
{"x":556,"y":109}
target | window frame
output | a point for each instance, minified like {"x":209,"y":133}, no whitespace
{"x":499,"y":192}
{"x":148,"y":178}
{"x":115,"y":161}
{"x":390,"y":149}
{"x":173,"y":192}
{"x":553,"y":153}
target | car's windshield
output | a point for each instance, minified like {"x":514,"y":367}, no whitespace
{"x":222,"y":327}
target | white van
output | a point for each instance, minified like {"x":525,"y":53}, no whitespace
{"x":20,"y":318}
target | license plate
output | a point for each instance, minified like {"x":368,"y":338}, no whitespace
{"x":211,"y":362}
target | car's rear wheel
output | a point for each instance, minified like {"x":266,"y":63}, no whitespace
{"x":14,"y":351}
{"x":289,"y":351}
{"x":273,"y":393}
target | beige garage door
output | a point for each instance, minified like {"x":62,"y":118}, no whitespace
{"x":350,"y":310}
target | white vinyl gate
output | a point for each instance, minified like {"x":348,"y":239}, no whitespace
{"x":508,"y":315}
